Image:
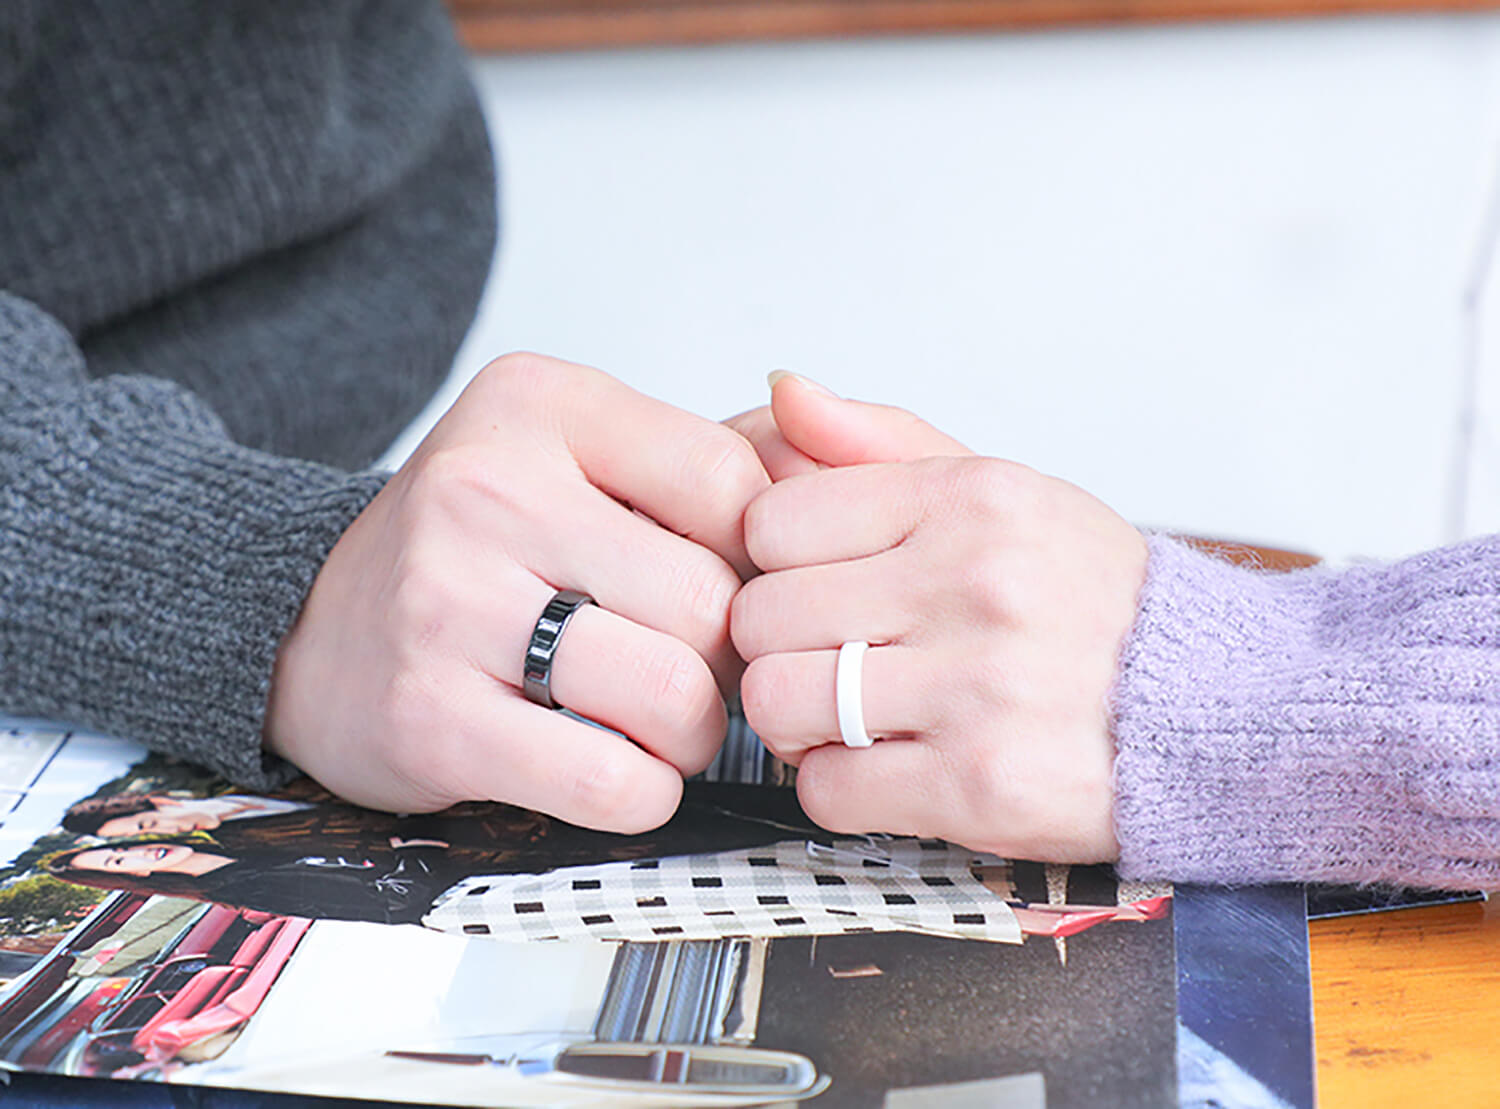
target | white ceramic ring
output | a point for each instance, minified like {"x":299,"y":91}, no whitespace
{"x":849,"y":693}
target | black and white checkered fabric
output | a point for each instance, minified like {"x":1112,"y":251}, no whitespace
{"x":793,"y":888}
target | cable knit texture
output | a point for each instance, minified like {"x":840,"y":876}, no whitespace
{"x":240,"y":243}
{"x":1319,"y":725}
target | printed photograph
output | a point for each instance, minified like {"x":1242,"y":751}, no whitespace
{"x":159,"y":925}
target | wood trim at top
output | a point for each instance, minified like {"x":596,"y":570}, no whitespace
{"x":1248,"y":554}
{"x":525,"y":25}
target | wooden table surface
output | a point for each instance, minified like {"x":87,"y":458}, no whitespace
{"x":1406,"y":1007}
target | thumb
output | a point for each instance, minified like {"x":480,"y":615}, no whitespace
{"x":839,"y":432}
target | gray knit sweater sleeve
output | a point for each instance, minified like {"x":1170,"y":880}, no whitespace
{"x":148,"y":565}
{"x":239,"y":245}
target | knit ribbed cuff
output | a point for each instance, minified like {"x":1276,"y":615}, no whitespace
{"x":1318,"y":725}
{"x":149,"y":568}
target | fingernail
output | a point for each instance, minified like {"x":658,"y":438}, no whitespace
{"x":778,"y":375}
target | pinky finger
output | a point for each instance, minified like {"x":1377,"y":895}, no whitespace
{"x":790,"y":700}
{"x":540,"y":759}
{"x":894,"y":786}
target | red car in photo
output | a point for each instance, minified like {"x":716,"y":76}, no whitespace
{"x":185,"y":1000}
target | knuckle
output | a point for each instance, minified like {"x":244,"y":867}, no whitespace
{"x":722,"y":468}
{"x":423,"y":597}
{"x":708,"y":589}
{"x":992,"y":586}
{"x":754,"y":425}
{"x":987,"y":488}
{"x":990,"y":487}
{"x":614,"y":794}
{"x":677,"y":684}
{"x":746,"y":619}
{"x":818,"y":790}
{"x":599,"y":793}
{"x":763,"y":690}
{"x":762,"y":531}
{"x":457,"y":491}
{"x":520,"y":376}
{"x":451,"y":479}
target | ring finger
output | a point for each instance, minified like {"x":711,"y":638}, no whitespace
{"x":652,"y":687}
{"x":790,"y":698}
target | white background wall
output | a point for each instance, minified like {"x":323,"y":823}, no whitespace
{"x":1214,"y":274}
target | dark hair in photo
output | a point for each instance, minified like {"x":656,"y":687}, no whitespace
{"x":168,"y":885}
{"x":85,"y":818}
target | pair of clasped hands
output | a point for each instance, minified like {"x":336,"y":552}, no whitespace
{"x":722,"y":557}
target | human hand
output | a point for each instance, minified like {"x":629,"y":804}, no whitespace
{"x":399,"y":685}
{"x":995,"y":600}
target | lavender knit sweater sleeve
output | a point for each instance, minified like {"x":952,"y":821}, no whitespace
{"x":1319,"y":725}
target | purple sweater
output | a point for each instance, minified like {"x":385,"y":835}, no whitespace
{"x":1319,"y":725}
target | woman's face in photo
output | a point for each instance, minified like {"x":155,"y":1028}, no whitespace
{"x":166,"y":818}
{"x":140,"y":859}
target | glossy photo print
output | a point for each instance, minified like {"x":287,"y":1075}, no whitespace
{"x":161,"y":926}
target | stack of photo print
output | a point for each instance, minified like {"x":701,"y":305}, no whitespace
{"x":161,"y":928}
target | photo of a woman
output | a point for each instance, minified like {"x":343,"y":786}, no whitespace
{"x":390,"y":884}
{"x":326,"y":859}
{"x":737,"y":860}
{"x":144,"y":814}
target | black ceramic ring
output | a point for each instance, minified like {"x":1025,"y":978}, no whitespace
{"x":537,"y":683}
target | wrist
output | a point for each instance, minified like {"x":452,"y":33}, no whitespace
{"x":1207,"y":780}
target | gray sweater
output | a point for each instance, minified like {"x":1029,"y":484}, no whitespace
{"x":240,"y":242}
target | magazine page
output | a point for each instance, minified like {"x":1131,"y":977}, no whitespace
{"x":1244,"y":997}
{"x":157,"y":925}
